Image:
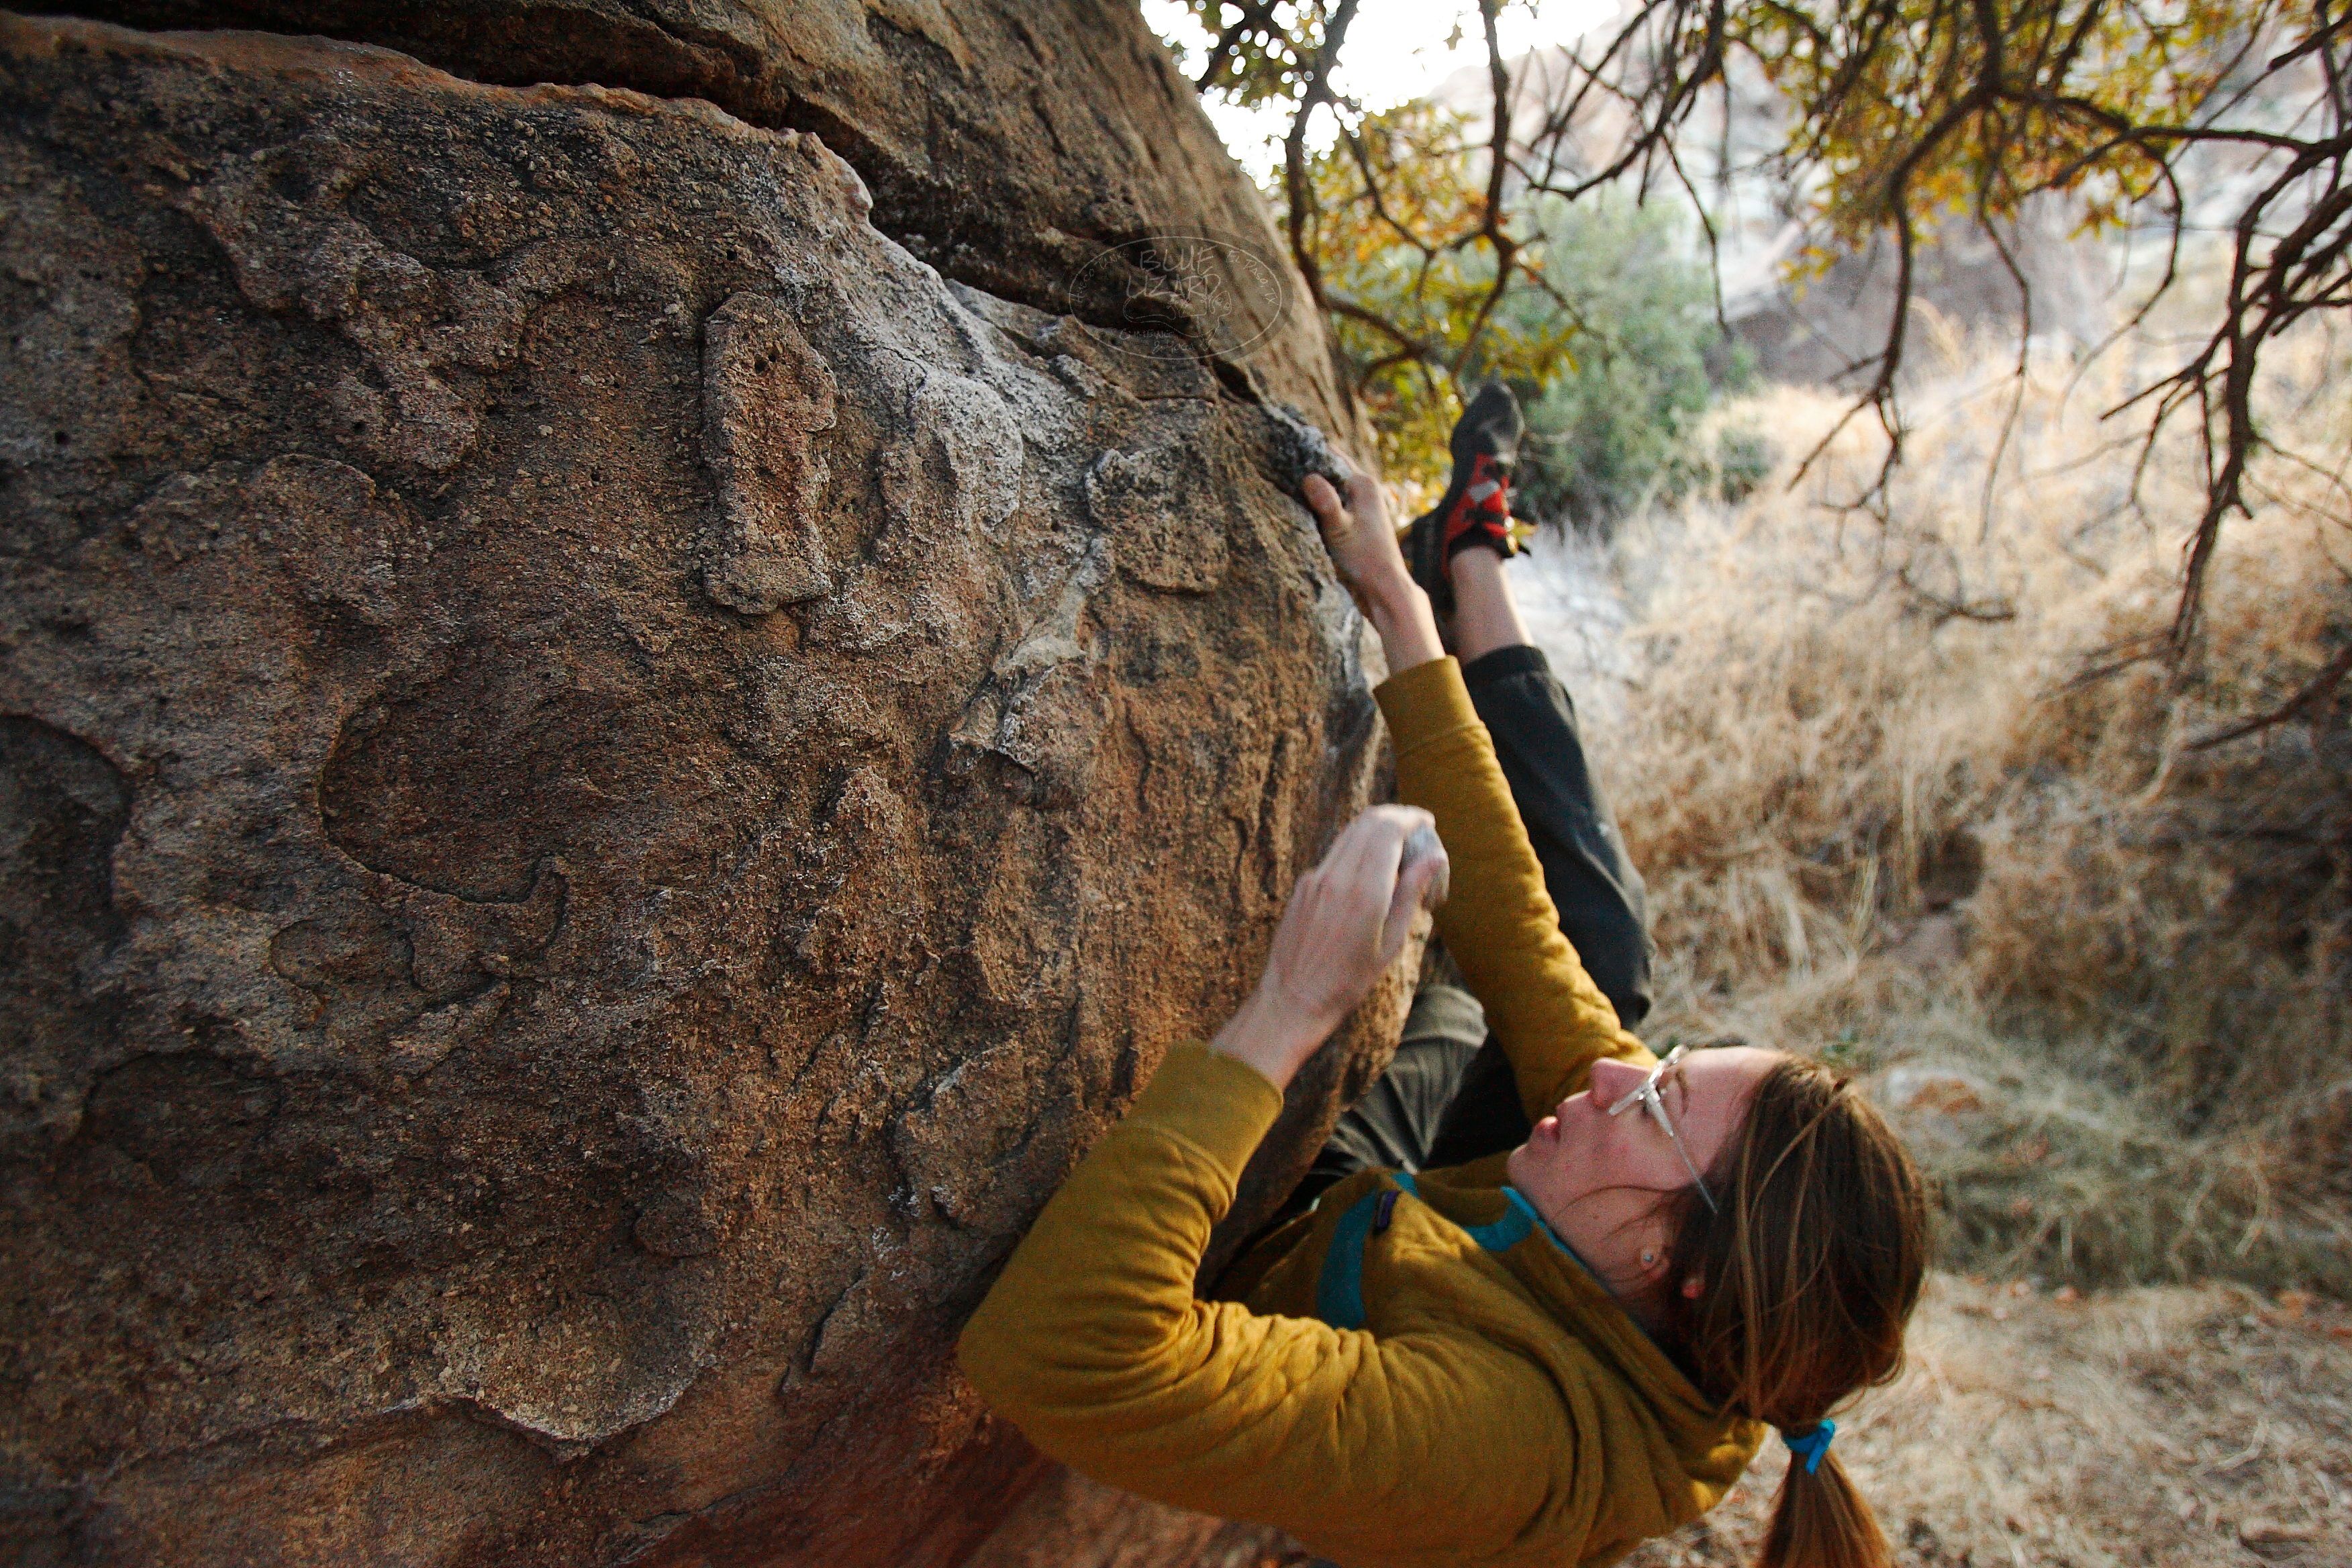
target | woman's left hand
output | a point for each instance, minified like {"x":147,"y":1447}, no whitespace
{"x":1346,"y":921}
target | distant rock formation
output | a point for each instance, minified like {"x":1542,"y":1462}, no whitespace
{"x":628,"y":714}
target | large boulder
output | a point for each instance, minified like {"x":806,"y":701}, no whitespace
{"x":605,"y":778}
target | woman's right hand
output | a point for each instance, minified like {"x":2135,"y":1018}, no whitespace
{"x":1346,"y":921}
{"x":1357,"y":531}
{"x":1364,"y":550}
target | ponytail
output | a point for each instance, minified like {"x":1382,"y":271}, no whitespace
{"x":1810,"y":1273}
{"x":1820,"y":1520}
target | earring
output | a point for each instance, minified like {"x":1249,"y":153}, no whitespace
{"x":1649,"y":1258}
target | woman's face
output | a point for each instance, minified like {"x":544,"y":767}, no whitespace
{"x":1598,"y":1179}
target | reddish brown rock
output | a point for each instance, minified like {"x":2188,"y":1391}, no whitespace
{"x":605,"y":779}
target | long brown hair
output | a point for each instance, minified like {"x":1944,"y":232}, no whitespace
{"x":1808,"y":1276}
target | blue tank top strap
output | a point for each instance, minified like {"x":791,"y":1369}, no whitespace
{"x":1340,"y":1288}
{"x":1518,"y":1220}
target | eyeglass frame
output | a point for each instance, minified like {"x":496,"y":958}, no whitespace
{"x":1646,"y":1093}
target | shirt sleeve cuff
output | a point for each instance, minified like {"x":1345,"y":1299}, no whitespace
{"x":1425,"y":703}
{"x":1220,"y":1106}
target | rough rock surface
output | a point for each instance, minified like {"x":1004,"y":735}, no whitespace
{"x":603,"y":780}
{"x":1046,"y":151}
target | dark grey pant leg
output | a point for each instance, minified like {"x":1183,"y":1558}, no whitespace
{"x":1603,"y":907}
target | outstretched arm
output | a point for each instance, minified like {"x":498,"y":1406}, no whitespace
{"x":1364,"y":549}
{"x":1363,"y":546}
{"x":1499,"y":925}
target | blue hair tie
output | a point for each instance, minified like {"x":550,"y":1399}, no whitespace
{"x":1810,"y":1445}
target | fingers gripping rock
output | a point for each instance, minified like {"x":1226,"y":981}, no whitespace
{"x":1300,"y":449}
{"x":1424,"y":878}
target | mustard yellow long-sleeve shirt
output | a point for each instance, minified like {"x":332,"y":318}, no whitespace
{"x":1488,"y":1403}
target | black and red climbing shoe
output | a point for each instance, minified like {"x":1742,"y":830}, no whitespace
{"x":1476,"y":509}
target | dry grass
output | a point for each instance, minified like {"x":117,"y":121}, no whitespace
{"x":1885,"y":815}
{"x":2168,"y":1427}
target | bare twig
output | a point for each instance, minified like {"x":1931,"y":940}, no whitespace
{"x":2304,"y":704}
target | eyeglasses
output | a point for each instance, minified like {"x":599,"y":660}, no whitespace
{"x":1645,"y":1093}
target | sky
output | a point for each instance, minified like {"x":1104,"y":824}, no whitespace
{"x":1396,"y":50}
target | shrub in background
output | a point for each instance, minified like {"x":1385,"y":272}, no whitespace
{"x":1618,"y":424}
{"x":1607,"y":333}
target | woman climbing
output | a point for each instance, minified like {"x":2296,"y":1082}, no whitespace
{"x":1542,"y":1293}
